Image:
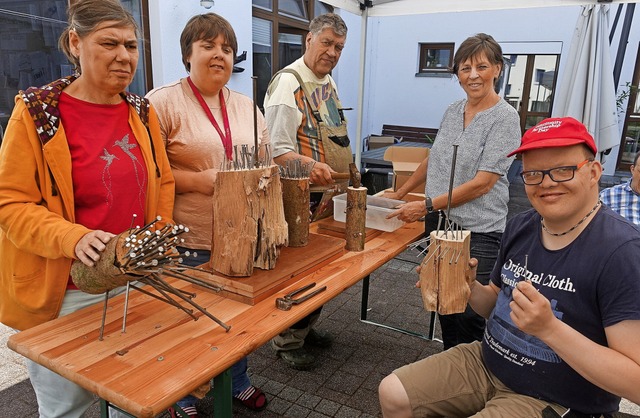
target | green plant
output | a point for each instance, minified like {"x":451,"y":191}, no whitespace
{"x":624,"y":95}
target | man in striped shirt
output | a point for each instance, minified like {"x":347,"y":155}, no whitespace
{"x":625,"y":198}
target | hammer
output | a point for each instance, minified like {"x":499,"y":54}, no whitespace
{"x":353,"y":175}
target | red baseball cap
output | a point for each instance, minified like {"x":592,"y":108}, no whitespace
{"x":556,"y":132}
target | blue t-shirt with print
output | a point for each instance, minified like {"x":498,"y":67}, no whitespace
{"x":592,"y":283}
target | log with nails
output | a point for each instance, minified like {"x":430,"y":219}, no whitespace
{"x":444,"y":269}
{"x":248,"y":222}
{"x":143,"y":255}
{"x":248,"y":225}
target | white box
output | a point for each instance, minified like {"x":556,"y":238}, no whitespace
{"x":377,"y":210}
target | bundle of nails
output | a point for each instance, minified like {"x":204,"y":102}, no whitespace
{"x":296,"y":169}
{"x":245,"y":158}
{"x":150,"y":255}
{"x":451,"y":231}
{"x":449,"y":227}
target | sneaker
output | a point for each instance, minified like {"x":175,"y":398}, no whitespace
{"x":298,"y":359}
{"x":318,"y":339}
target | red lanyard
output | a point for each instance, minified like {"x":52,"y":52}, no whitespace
{"x":226,"y":137}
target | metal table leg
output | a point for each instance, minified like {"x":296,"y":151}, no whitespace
{"x":222,"y":399}
{"x":364,"y":304}
{"x":222,"y":396}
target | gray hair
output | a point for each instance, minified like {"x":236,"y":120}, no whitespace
{"x":86,"y":15}
{"x":328,"y":20}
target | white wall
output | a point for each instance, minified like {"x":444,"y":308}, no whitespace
{"x":393,"y":94}
{"x":167,"y":19}
{"x":398,"y":97}
{"x":347,"y":72}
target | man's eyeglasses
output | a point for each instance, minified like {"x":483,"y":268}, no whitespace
{"x":557,"y":174}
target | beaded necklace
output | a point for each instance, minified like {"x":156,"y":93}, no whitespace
{"x":573,"y":227}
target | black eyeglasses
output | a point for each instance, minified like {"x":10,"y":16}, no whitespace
{"x":557,"y":174}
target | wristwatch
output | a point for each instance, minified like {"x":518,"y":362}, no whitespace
{"x":429,"y":204}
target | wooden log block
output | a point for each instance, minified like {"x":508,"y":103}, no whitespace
{"x":444,"y":270}
{"x":356,"y":218}
{"x":295,"y":199}
{"x":105,"y":274}
{"x":248,"y":221}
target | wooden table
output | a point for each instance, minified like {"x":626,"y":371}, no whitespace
{"x":165,"y":355}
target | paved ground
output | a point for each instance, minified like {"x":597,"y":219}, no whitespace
{"x":345,"y":385}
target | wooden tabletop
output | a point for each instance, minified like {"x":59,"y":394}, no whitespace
{"x":164,"y":355}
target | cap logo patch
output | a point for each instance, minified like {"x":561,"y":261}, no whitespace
{"x":545,"y":126}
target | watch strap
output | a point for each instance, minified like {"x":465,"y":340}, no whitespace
{"x":429,"y":204}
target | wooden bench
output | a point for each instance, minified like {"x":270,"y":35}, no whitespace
{"x":410,"y":133}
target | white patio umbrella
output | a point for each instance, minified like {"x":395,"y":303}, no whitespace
{"x":587,"y":91}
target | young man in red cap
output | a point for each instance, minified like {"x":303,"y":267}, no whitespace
{"x":563,"y":304}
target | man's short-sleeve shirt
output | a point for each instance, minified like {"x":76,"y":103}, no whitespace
{"x":592,"y":283}
{"x":285,"y":91}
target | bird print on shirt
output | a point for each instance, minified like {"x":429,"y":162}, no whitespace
{"x":138,"y":168}
{"x":106,"y":175}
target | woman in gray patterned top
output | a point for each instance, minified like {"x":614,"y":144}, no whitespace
{"x":485,"y":128}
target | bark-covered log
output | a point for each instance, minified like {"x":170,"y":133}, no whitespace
{"x":356,"y":218}
{"x":444,"y":270}
{"x":295,"y":199}
{"x":248,"y":221}
{"x":105,"y":274}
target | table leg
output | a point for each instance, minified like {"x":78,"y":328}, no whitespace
{"x":364,"y":300}
{"x":222,"y":396}
{"x":105,"y":406}
{"x":364,"y":307}
{"x":104,"y":409}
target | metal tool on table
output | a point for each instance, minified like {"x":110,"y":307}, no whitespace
{"x":325,"y":207}
{"x":285,"y":303}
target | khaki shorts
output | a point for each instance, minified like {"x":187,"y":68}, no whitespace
{"x":456,"y":383}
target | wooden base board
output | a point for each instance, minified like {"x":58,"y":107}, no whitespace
{"x":292,"y":263}
{"x":330,"y":226}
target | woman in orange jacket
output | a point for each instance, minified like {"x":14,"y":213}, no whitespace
{"x":79,"y":159}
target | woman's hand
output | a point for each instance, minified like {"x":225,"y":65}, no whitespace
{"x":409,"y":212}
{"x":206,"y":182}
{"x":90,"y":246}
